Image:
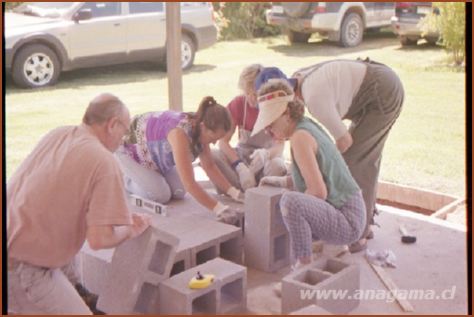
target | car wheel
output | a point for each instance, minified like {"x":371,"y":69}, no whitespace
{"x":298,"y":37}
{"x":187,"y":52}
{"x":352,"y":30}
{"x":35,"y":66}
{"x":406,"y":41}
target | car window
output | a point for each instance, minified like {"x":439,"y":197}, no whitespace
{"x":103,"y":9}
{"x":145,"y":7}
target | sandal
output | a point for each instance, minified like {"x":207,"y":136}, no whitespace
{"x":358,"y":246}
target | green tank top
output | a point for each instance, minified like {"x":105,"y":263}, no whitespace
{"x":339,"y":182}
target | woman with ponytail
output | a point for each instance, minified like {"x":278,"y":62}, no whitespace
{"x":158,"y":151}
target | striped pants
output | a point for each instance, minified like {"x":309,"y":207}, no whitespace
{"x":308,"y":217}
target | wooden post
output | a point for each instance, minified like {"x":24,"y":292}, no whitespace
{"x":173,"y":55}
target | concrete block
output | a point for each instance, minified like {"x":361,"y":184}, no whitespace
{"x":204,"y":241}
{"x":339,"y":280}
{"x":182,"y":261}
{"x":138,"y":266}
{"x":231,"y":247}
{"x":204,"y":252}
{"x":94,"y":267}
{"x":311,"y":310}
{"x":266,"y":239}
{"x":227,"y":294}
{"x":229,"y":240}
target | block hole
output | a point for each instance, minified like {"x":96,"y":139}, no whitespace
{"x":206,"y":254}
{"x":178,"y":267}
{"x":312,"y":277}
{"x":232,"y":250}
{"x":205,"y":304}
{"x":232,"y":296}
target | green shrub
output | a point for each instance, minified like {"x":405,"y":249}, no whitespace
{"x":451,"y":23}
{"x":243,"y":20}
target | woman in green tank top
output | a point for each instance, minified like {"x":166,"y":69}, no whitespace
{"x":327,"y":203}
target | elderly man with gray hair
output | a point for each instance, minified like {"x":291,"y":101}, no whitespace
{"x":68,"y":190}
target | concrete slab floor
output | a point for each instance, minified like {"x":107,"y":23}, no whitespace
{"x":437,"y":262}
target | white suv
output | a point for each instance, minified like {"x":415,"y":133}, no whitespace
{"x":343,"y":22}
{"x":44,"y":38}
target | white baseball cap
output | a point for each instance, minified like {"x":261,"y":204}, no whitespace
{"x":271,"y":106}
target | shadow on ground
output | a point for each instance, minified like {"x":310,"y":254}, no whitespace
{"x":423,"y":45}
{"x":106,"y":75}
{"x":326,"y":48}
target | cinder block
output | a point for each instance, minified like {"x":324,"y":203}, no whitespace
{"x":227,"y":294}
{"x":311,"y":310}
{"x":231,"y":247}
{"x":229,"y":240}
{"x":204,"y":252}
{"x":205,"y":239}
{"x":182,"y":261}
{"x":339,"y":280}
{"x":266,"y":239}
{"x":94,"y":267}
{"x":138,"y":266}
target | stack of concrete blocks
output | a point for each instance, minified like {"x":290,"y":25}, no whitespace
{"x":339,"y":279}
{"x":94,"y":267}
{"x":311,"y":310}
{"x":201,"y":240}
{"x":226,"y":295}
{"x":266,"y":239}
{"x":138,"y":266}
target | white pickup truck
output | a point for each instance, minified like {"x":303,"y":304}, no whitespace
{"x":343,"y":22}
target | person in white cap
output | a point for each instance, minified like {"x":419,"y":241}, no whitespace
{"x":254,"y":156}
{"x":367,"y":93}
{"x":327,"y":204}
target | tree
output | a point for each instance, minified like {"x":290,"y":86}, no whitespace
{"x":451,"y":23}
{"x":243,"y":20}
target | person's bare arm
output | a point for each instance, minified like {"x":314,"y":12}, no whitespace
{"x":226,"y":148}
{"x":109,"y":236}
{"x":183,"y":160}
{"x":344,"y":142}
{"x":304,"y":147}
{"x":212,"y":171}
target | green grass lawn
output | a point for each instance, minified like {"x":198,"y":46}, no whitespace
{"x":426,"y":147}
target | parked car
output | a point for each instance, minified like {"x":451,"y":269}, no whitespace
{"x":343,"y":22}
{"x":44,"y":38}
{"x":406,"y":22}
